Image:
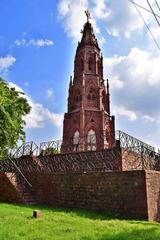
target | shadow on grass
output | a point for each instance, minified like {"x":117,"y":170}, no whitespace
{"x":95,"y":215}
{"x":90,"y":214}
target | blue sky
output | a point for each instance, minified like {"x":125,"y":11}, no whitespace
{"x":37,"y":46}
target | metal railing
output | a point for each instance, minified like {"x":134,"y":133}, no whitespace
{"x":26,"y":149}
{"x":143,"y":156}
{"x":122,"y":139}
{"x":135,"y":145}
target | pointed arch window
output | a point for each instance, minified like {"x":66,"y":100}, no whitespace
{"x":99,"y":67}
{"x":78,"y":96}
{"x":91,"y":140}
{"x":103,"y":97}
{"x":90,"y":63}
{"x":76,"y":140}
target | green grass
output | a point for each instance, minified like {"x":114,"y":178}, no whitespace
{"x":16,"y":223}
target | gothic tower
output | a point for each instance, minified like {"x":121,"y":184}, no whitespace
{"x":87,"y":123}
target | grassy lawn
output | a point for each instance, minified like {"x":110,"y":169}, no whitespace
{"x":16,"y":223}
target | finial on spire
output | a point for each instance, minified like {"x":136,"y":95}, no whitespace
{"x":88,"y":15}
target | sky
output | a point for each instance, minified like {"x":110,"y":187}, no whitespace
{"x":38,"y":40}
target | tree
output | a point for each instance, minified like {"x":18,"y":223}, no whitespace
{"x":51,"y":151}
{"x":13,"y":107}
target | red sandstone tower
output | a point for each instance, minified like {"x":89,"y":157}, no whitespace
{"x":87,"y":123}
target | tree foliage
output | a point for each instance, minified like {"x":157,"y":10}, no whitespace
{"x":51,"y":151}
{"x":13,"y":107}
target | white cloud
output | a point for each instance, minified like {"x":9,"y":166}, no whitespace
{"x":39,"y":115}
{"x":139,"y":78}
{"x":148,"y":118}
{"x":155,"y":31}
{"x":38,"y":43}
{"x":125,"y":113}
{"x":138,"y":68}
{"x":50,"y":92}
{"x":122,"y":17}
{"x":19,"y":42}
{"x":100,"y":9}
{"x":72,"y":15}
{"x":152,"y":119}
{"x":111,"y":72}
{"x":6,"y":62}
{"x":119,"y":18}
{"x":102,"y":40}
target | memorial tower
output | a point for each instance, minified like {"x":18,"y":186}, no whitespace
{"x":87,"y":124}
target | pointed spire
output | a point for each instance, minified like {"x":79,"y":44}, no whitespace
{"x":108,"y":99}
{"x":88,"y":37}
{"x":107,"y":86}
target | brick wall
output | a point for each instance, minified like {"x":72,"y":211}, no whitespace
{"x":134,"y":194}
{"x":8,"y":192}
{"x":116,"y":159}
{"x":153,"y":194}
{"x":121,"y":192}
{"x":135,"y":161}
{"x":102,"y":160}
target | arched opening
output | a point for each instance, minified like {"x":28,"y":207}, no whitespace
{"x":78,"y":96}
{"x":76,"y":140}
{"x":99,"y":67}
{"x":91,"y":140}
{"x":90,"y":63}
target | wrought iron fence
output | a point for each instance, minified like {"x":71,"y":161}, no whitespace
{"x":124,"y":140}
{"x":145,"y":156}
{"x":26,"y":149}
{"x":51,"y":147}
{"x":130,"y":143}
{"x":106,"y":160}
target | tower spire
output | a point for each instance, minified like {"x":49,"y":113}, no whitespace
{"x":88,"y":36}
{"x":88,"y":100}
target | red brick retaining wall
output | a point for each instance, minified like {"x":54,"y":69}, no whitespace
{"x":121,"y":192}
{"x":133,"y":194}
